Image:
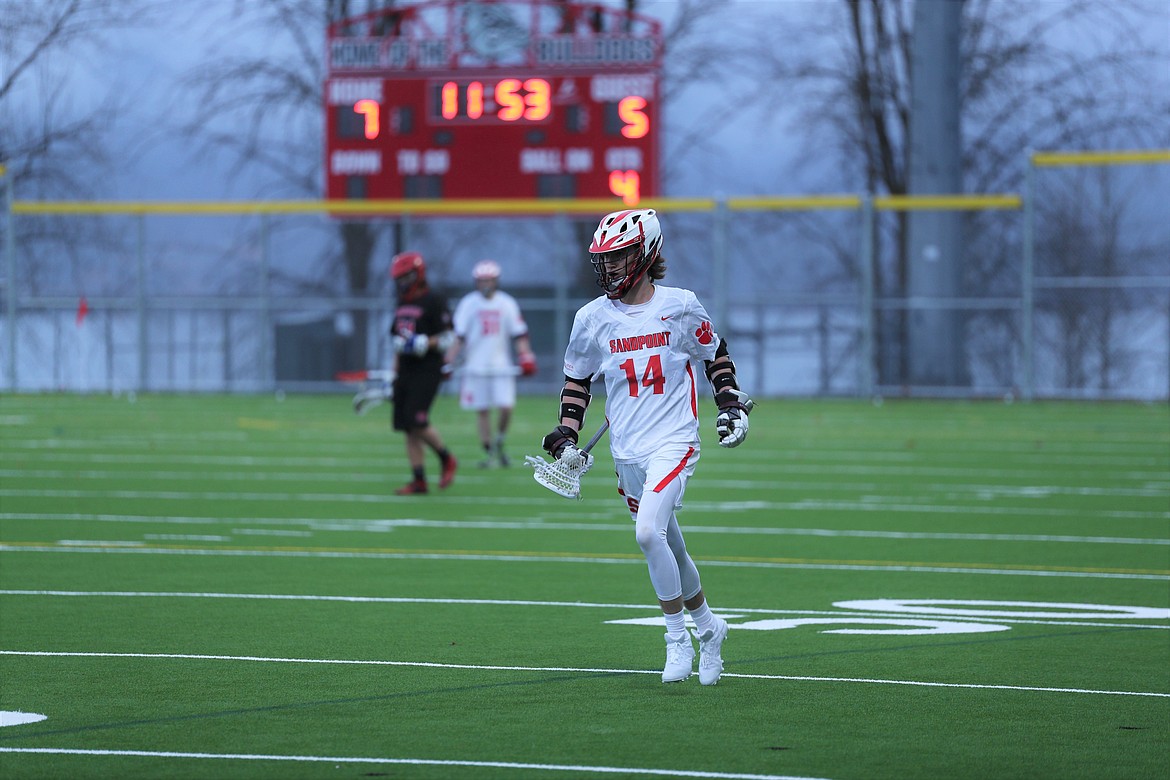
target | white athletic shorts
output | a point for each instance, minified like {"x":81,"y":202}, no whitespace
{"x":665,"y":473}
{"x":479,"y":392}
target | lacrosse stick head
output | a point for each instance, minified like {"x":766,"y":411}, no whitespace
{"x":563,"y":475}
{"x":368,"y":399}
{"x":376,"y":387}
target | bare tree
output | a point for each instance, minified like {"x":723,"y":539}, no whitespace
{"x":1035,"y":75}
{"x":50,"y":147}
{"x":274,"y":92}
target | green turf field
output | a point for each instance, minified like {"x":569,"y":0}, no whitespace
{"x":226,"y":587}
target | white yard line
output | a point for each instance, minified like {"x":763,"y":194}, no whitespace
{"x":383,"y":526}
{"x":870,"y":504}
{"x":530,"y":603}
{"x":536,"y":558}
{"x":569,"y":670}
{"x":1095,"y":468}
{"x":949,"y":489}
{"x":609,"y":770}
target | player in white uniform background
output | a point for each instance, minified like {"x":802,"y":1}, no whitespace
{"x":488,"y":323}
{"x":650,"y":342}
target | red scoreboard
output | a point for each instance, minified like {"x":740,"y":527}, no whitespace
{"x":493,"y":99}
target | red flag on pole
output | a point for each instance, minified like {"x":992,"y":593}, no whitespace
{"x":82,"y":310}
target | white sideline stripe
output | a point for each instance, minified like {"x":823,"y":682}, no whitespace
{"x":1107,"y":575}
{"x":852,"y":461}
{"x":884,"y":504}
{"x":950,"y":490}
{"x":528,"y":603}
{"x":609,"y":770}
{"x":381,"y":526}
{"x":562,"y":669}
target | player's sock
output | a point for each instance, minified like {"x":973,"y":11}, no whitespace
{"x":419,"y":474}
{"x":676,"y":624}
{"x":444,"y":455}
{"x":703,"y":618}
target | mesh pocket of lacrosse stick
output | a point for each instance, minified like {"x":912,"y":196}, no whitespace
{"x":563,"y":476}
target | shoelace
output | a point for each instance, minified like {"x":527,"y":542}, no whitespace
{"x":675,"y":653}
{"x":709,"y":653}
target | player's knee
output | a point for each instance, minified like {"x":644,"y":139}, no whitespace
{"x":648,"y":536}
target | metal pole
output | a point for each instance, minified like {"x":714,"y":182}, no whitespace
{"x":268,"y":379}
{"x":10,"y":263}
{"x":1027,"y":280}
{"x":226,"y":326}
{"x":109,"y":335}
{"x":407,"y":232}
{"x":561,"y":313}
{"x":719,"y":263}
{"x":143,"y":344}
{"x":867,"y":359}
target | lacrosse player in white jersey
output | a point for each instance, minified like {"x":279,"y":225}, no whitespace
{"x":487,"y":325}
{"x":649,"y":341}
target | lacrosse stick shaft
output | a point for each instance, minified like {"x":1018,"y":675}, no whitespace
{"x":596,"y":437}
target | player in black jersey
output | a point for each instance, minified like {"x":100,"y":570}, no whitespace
{"x":421,"y":333}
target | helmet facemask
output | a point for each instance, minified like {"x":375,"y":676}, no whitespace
{"x":410,"y":285}
{"x":618,"y":271}
{"x":487,"y":285}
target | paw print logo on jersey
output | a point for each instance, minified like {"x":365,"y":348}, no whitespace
{"x":705,"y":334}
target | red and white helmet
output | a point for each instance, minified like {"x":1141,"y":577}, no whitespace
{"x":409,"y":273}
{"x":486,"y":269}
{"x":632,"y":238}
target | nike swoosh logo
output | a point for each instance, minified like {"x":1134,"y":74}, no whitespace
{"x":666,"y":318}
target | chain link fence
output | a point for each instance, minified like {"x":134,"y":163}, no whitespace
{"x":1063,"y":292}
{"x":1100,"y":277}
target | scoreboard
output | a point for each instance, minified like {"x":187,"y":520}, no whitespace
{"x":493,"y":99}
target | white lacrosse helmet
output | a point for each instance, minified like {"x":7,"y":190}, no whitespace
{"x":486,"y":269}
{"x":634,"y":239}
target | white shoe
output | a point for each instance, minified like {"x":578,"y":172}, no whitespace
{"x":680,"y":659}
{"x":710,"y":646}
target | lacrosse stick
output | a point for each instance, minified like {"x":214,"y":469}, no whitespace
{"x":563,"y":475}
{"x":377,"y":388}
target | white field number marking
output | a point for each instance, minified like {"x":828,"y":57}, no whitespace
{"x":1007,"y":609}
{"x":17,"y":718}
{"x":910,"y":626}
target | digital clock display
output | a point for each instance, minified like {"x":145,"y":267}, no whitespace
{"x":503,"y":100}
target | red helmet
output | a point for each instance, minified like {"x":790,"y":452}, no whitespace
{"x":409,"y":273}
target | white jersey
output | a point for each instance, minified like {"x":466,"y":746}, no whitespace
{"x":652,"y":357}
{"x":487,"y":327}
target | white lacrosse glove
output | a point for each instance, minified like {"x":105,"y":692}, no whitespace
{"x":732,"y":422}
{"x":417,"y":344}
